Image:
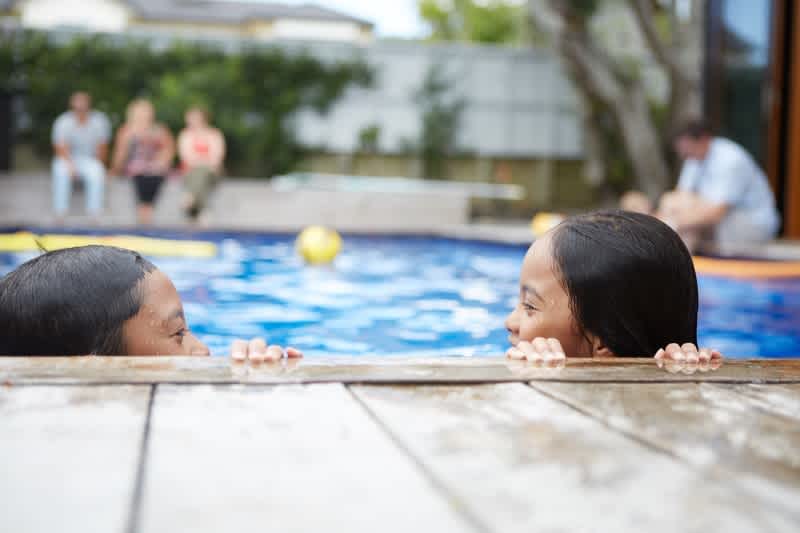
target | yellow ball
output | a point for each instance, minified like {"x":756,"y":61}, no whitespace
{"x":319,"y":245}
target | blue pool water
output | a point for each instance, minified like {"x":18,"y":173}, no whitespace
{"x":410,"y":295}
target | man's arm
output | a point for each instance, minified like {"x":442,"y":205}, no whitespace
{"x":102,"y":152}
{"x":695,"y":212}
{"x":60,"y":146}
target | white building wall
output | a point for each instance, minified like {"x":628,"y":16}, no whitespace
{"x":517,"y":101}
{"x":95,"y":15}
{"x":312,"y":29}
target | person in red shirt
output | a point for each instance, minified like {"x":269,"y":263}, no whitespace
{"x":201,"y":149}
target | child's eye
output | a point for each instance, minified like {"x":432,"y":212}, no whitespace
{"x":529,"y":307}
{"x":181,"y":334}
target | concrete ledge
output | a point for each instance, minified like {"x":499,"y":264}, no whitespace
{"x":193,"y":370}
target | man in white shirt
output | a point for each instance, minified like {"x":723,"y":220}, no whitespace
{"x":723,"y":198}
{"x":80,"y":141}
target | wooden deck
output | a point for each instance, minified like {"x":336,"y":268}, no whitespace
{"x":384,"y":445}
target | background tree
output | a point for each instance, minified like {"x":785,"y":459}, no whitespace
{"x":492,"y":21}
{"x":440,"y":117}
{"x":613,"y":87}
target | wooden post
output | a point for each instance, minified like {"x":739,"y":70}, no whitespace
{"x":792,"y":146}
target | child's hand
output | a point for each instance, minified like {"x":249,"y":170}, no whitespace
{"x":540,"y":349}
{"x":687,"y":353}
{"x":257,"y":351}
{"x":687,"y":359}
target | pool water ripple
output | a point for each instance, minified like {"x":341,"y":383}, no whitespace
{"x":417,"y":296}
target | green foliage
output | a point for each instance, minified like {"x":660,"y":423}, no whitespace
{"x":441,"y":117}
{"x":495,"y":21}
{"x":252,"y":95}
{"x":369,"y":138}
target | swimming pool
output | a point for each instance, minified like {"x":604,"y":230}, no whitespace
{"x":416,"y":296}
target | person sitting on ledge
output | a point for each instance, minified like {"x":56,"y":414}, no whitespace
{"x":723,"y":200}
{"x":607,"y":284}
{"x":101,"y":300}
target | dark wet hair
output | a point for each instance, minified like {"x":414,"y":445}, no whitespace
{"x":630,"y":281}
{"x":695,"y":128}
{"x":71,"y":302}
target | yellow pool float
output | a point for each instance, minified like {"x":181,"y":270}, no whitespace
{"x":744,"y":268}
{"x":25,"y":241}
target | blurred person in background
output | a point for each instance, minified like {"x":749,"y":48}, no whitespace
{"x":201,"y":149}
{"x":723,"y":199}
{"x":80,"y":141}
{"x":144,"y":151}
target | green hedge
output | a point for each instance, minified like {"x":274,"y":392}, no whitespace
{"x":251,"y":94}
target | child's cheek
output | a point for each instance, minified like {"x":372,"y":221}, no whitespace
{"x":529,"y":326}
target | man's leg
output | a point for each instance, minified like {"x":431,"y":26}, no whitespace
{"x":62,"y":186}
{"x":742,"y":233}
{"x":94,"y":176}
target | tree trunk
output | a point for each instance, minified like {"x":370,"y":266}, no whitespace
{"x":596,"y":77}
{"x":643,"y":144}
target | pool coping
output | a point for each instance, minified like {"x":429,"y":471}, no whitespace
{"x":102,"y":370}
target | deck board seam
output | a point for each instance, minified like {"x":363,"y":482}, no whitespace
{"x":454,"y":502}
{"x":733,"y":393}
{"x":132,"y":525}
{"x":628,"y":434}
{"x":720,"y":473}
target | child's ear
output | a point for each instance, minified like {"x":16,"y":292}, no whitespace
{"x":599,"y":349}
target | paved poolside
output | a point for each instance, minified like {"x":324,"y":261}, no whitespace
{"x":389,"y":444}
{"x":253,"y":204}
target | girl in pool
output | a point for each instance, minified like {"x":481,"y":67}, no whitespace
{"x":605,"y":284}
{"x":101,"y":300}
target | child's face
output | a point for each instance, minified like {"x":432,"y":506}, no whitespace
{"x":543,"y":309}
{"x":159,"y":328}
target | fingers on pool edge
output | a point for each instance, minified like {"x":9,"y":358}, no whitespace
{"x":258,"y":350}
{"x":293,"y":353}
{"x":239,"y":350}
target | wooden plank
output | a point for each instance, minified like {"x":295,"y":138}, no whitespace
{"x":433,"y":370}
{"x":69,"y":456}
{"x":781,"y":399}
{"x":524,"y":462}
{"x":711,"y":427}
{"x":290,"y":458}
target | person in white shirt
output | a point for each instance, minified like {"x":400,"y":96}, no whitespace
{"x":723,"y":198}
{"x":80,"y":142}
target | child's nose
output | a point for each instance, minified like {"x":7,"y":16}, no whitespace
{"x":198,"y":348}
{"x":512,"y":322}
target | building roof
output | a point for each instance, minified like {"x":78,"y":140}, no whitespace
{"x":224,"y":12}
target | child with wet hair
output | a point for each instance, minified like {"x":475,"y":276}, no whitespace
{"x":102,"y":300}
{"x":607,"y":284}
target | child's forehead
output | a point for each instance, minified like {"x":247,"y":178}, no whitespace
{"x":539,"y":251}
{"x":159,"y":294}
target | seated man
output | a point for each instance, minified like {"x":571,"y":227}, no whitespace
{"x":723,"y":197}
{"x":80,"y":142}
